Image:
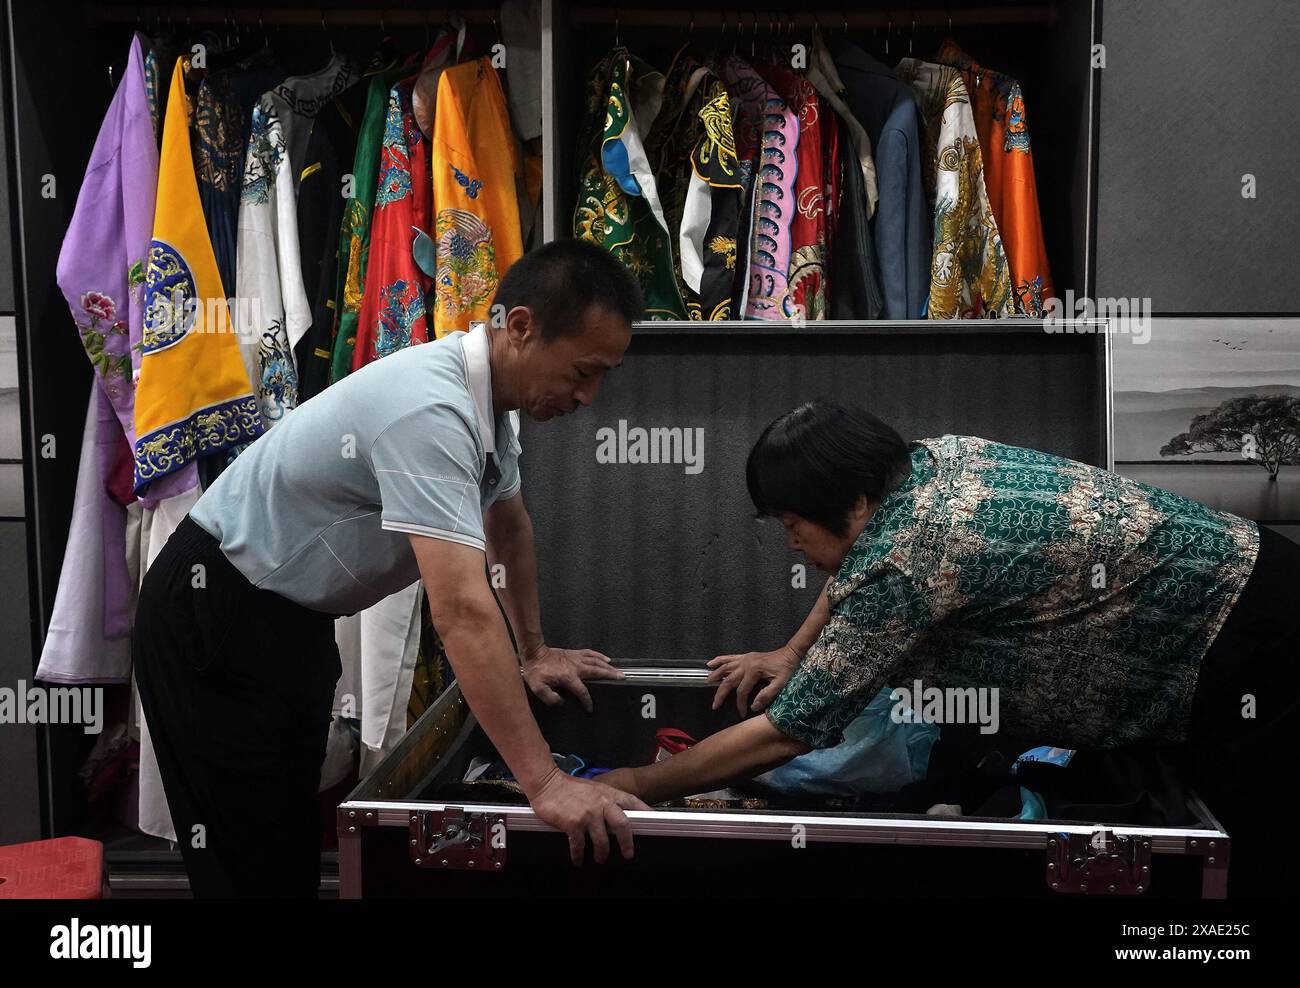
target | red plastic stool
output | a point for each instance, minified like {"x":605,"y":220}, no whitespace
{"x":63,"y":868}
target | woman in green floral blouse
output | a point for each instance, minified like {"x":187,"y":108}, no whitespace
{"x":1089,"y":601}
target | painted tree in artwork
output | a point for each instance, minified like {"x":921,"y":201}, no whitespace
{"x":1267,"y":426}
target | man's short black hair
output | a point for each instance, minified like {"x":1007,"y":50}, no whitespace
{"x":559,"y":281}
{"x":818,"y":459}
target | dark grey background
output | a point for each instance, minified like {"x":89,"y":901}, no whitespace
{"x":1194,"y":95}
{"x":19,"y":790}
{"x":645,"y":561}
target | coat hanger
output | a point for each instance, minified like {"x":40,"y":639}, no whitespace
{"x":329,"y":37}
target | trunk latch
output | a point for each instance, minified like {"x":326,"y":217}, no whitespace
{"x":1100,"y":863}
{"x":453,"y":839}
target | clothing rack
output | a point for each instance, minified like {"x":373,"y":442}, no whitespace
{"x":253,"y":17}
{"x":775,"y":20}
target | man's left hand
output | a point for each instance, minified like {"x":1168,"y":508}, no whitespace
{"x":546,"y":669}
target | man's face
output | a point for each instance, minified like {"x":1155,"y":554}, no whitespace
{"x":561,"y":375}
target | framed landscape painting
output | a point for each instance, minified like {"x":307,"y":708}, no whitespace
{"x":1210,"y":408}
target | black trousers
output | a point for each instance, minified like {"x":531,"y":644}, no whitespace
{"x":237,"y":686}
{"x":1244,"y":735}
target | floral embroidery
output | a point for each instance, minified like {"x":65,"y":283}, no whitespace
{"x":1017,"y":138}
{"x":395,"y":162}
{"x":135,"y":278}
{"x":466,"y":275}
{"x":103,"y":338}
{"x":99,"y":306}
{"x":402,"y":307}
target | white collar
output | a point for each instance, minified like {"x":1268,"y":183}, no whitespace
{"x":476,"y":346}
{"x":478,"y":375}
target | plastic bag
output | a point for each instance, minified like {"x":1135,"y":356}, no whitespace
{"x":876,"y":756}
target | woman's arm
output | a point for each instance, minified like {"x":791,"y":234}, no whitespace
{"x":812,"y":626}
{"x":740,"y":752}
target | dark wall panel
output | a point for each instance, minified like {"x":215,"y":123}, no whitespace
{"x":1192,"y":100}
{"x":647,"y":561}
{"x":20,"y":817}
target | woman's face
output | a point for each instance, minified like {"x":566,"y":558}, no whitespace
{"x":822,"y":547}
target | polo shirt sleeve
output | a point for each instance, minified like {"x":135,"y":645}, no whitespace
{"x":869,"y":634}
{"x":428,"y":468}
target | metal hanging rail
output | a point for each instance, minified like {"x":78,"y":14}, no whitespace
{"x":901,"y":19}
{"x":251,"y":17}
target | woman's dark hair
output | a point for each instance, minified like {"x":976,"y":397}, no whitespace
{"x":560,"y":280}
{"x":818,"y":459}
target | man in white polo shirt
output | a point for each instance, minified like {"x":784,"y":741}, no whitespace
{"x":406,"y":469}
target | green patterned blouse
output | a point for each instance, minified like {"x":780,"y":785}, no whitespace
{"x":1086,"y":598}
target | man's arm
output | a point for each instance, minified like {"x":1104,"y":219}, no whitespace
{"x":510,"y":542}
{"x":740,"y":752}
{"x":478,"y":647}
{"x":467,"y":619}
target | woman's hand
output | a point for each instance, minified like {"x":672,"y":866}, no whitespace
{"x":741,"y":673}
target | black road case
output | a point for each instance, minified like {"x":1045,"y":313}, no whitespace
{"x":401,"y":834}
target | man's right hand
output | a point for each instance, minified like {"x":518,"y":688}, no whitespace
{"x":741,"y":673}
{"x":583,"y":808}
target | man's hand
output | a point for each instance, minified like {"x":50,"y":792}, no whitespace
{"x":741,"y":673}
{"x":546,"y":668}
{"x":583,"y":808}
